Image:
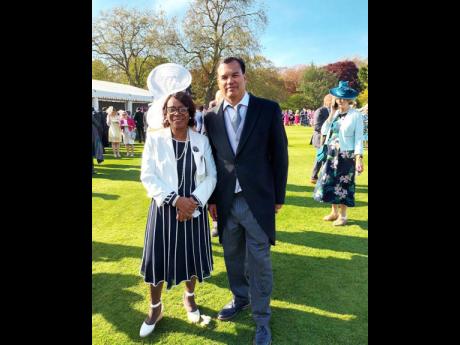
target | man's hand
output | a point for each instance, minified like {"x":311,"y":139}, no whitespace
{"x":213,"y":211}
{"x":278,"y":207}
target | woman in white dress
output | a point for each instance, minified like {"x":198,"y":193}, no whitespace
{"x":113,"y":121}
{"x":179,"y":174}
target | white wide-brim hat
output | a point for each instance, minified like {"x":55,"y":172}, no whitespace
{"x":163,"y":81}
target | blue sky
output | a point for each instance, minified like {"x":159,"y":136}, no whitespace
{"x":298,"y":32}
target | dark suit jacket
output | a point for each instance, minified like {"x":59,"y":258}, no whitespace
{"x":321,"y":115}
{"x":261,"y":162}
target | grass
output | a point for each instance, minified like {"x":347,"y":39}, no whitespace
{"x":320,"y":292}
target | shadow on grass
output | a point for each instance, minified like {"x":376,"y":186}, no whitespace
{"x":114,"y":252}
{"x":120,"y":166}
{"x":363,"y":224}
{"x":310,"y":187}
{"x":332,"y":285}
{"x":320,"y":240}
{"x":329,"y":288}
{"x":361,"y":189}
{"x":308,"y":201}
{"x":112,"y":299}
{"x":106,"y":196}
{"x":297,"y":188}
{"x":119,"y":172}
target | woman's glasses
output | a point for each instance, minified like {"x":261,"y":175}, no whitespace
{"x":173,"y":110}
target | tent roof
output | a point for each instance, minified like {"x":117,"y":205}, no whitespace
{"x":115,"y":91}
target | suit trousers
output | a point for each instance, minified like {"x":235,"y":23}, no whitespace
{"x":140,"y":134}
{"x":316,"y":169}
{"x":247,"y":259}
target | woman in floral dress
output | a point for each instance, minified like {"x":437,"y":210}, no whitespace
{"x":344,"y":140}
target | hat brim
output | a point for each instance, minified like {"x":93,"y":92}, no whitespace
{"x":167,"y":79}
{"x":344,"y":94}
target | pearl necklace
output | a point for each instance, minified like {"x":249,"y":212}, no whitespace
{"x":184,"y":153}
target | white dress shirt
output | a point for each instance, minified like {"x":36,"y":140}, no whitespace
{"x":234,"y":138}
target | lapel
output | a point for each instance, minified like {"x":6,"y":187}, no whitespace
{"x":252,"y":115}
{"x":221,"y":131}
{"x":197,"y":147}
{"x":169,"y":149}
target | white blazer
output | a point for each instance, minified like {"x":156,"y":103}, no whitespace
{"x":159,"y":167}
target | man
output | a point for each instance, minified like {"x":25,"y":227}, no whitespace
{"x":146,"y":125}
{"x":250,"y":150}
{"x":97,"y":148}
{"x":100,"y":117}
{"x":199,"y":118}
{"x":139,"y":119}
{"x":321,"y":115}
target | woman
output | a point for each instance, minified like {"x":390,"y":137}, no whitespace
{"x":286,"y":118}
{"x":113,"y":121}
{"x":364,"y":111}
{"x":344,"y":139}
{"x":179,"y":174}
{"x":297,"y":118}
{"x":128,"y":127}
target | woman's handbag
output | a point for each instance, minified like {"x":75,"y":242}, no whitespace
{"x":321,"y":153}
{"x":132,"y":135}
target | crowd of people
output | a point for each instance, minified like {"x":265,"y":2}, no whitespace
{"x":223,"y":159}
{"x":299,"y":118}
{"x":112,"y":128}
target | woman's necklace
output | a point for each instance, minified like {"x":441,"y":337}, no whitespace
{"x":184,"y":153}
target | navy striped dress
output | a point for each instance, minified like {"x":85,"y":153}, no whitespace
{"x":176,"y":251}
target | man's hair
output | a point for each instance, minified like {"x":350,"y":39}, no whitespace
{"x":231,"y":59}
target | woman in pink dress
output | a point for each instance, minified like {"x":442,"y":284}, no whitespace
{"x":297,"y":118}
{"x":286,"y":118}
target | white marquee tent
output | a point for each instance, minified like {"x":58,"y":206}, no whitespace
{"x":108,"y":91}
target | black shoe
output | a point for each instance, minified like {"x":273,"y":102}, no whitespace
{"x":263,"y":336}
{"x":231,"y":309}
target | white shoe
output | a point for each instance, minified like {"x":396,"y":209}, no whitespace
{"x":148,"y":329}
{"x":193,"y":316}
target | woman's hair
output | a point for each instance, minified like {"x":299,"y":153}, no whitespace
{"x":110,"y":110}
{"x":187,"y":101}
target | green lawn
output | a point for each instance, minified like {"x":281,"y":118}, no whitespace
{"x":320,"y":292}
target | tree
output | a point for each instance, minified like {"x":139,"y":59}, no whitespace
{"x":362,"y":98}
{"x":346,"y":70}
{"x":316,"y":83}
{"x":295,"y":102}
{"x":126,"y":40}
{"x":101,"y":71}
{"x":213,"y":29}
{"x":292,"y":78}
{"x":264,"y":80}
{"x":363,"y":76}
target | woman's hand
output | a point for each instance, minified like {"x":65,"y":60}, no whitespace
{"x":185,"y":207}
{"x":181,"y":216}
